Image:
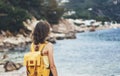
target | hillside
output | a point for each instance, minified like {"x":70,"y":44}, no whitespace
{"x":95,"y":9}
{"x":13,"y":13}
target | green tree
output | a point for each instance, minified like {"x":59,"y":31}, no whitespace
{"x":52,"y":12}
{"x":14,"y":12}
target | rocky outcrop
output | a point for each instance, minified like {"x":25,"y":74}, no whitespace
{"x":30,"y":24}
{"x":14,"y":42}
{"x":66,"y":28}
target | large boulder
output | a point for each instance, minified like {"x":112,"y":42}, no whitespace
{"x":11,"y":66}
{"x":70,"y":35}
{"x":66,"y":27}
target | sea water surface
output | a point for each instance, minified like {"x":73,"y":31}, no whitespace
{"x":91,"y":54}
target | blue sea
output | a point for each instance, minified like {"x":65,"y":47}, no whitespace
{"x":91,"y":54}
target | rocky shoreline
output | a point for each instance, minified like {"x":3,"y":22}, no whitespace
{"x":66,"y":29}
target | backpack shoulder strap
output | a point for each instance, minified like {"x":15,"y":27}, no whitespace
{"x":41,"y":47}
{"x":31,"y":48}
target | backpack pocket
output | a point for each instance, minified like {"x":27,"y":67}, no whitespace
{"x":32,"y":59}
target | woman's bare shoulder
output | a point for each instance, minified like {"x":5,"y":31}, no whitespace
{"x":50,"y":45}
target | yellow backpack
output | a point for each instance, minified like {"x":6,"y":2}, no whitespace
{"x":34,"y":63}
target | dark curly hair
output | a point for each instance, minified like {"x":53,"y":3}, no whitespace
{"x":40,"y":32}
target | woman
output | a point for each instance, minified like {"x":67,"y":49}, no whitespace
{"x":39,"y":36}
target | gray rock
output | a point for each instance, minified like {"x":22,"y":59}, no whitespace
{"x":52,"y":40}
{"x":11,"y":66}
{"x":70,"y":35}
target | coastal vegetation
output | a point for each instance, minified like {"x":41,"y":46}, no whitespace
{"x":14,"y":12}
{"x":102,"y":10}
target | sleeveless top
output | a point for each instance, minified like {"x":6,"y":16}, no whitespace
{"x":45,"y":58}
